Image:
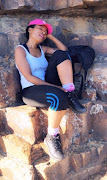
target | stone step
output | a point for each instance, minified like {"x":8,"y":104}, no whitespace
{"x":16,"y":148}
{"x":17,"y":154}
{"x":85,"y":173}
{"x":2,"y":178}
{"x":76,"y":161}
{"x":26,"y":153}
{"x":13,"y":170}
{"x":23,"y":121}
{"x":31,"y":124}
{"x":20,"y":150}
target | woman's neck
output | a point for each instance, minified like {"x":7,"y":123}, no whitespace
{"x":32,"y":44}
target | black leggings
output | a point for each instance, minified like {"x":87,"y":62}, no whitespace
{"x":45,"y":96}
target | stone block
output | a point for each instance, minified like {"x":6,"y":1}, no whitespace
{"x":64,"y":166}
{"x":9,"y":87}
{"x":49,"y":169}
{"x":94,"y":154}
{"x":74,"y":3}
{"x":83,"y":174}
{"x":66,"y":130}
{"x":2,"y":124}
{"x":2,"y":178}
{"x":76,"y":162}
{"x":97,"y":79}
{"x":73,"y":176}
{"x":58,"y":4}
{"x":101,"y":12}
{"x":86,"y":158}
{"x":4,"y":42}
{"x":44,"y":6}
{"x":25,"y":123}
{"x":94,"y":169}
{"x":90,"y":93}
{"x":44,"y":168}
{"x":81,"y":125}
{"x":85,"y":40}
{"x":102,"y":152}
{"x":94,"y":2}
{"x":43,"y":115}
{"x":37,"y":152}
{"x":40,"y":5}
{"x":99,"y":43}
{"x":12,"y":4}
{"x":16,"y":147}
{"x":99,"y":120}
{"x":14,"y":170}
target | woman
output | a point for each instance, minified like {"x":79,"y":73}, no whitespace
{"x":47,"y":85}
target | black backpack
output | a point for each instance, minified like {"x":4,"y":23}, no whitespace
{"x":84,"y":55}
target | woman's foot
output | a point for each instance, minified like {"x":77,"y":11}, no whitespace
{"x":74,"y":103}
{"x":53,"y":144}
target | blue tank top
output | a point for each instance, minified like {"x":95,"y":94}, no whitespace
{"x":38,"y":66}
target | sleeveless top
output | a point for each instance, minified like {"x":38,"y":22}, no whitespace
{"x":38,"y":66}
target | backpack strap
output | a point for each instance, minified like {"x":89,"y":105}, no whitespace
{"x":25,"y":45}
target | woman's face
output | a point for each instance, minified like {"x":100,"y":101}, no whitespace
{"x":38,"y":33}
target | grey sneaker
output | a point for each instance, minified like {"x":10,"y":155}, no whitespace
{"x":53,"y":144}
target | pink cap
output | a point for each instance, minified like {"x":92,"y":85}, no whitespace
{"x":41,"y":22}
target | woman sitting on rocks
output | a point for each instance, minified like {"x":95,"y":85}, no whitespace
{"x":47,"y":84}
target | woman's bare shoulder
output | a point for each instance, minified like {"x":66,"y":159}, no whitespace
{"x":20,"y":49}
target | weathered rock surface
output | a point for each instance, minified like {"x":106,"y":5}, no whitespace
{"x":24,"y":122}
{"x":98,"y":79}
{"x":23,"y":154}
{"x":16,"y":148}
{"x":59,"y":5}
{"x":13,"y":170}
{"x":9,"y":86}
{"x":99,"y":119}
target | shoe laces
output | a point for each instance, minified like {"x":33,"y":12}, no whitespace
{"x":57,"y":143}
{"x":72,"y":96}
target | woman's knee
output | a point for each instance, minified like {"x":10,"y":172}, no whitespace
{"x":60,"y":53}
{"x":62,"y":100}
{"x":61,"y":56}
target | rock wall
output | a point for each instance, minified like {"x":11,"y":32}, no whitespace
{"x":70,"y":7}
{"x":22,"y":128}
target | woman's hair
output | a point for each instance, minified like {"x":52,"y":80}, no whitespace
{"x":27,"y":33}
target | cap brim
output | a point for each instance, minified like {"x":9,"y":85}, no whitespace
{"x":49,"y":27}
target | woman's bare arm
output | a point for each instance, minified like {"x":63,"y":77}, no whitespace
{"x":58,"y":44}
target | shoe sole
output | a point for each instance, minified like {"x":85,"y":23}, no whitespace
{"x":77,"y":111}
{"x":51,"y":157}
